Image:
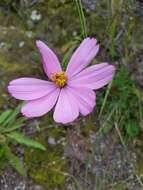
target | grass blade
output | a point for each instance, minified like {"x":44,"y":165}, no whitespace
{"x":17,"y":125}
{"x":5,"y":115}
{"x":105,"y":98}
{"x":14,"y":161}
{"x":20,"y":138}
{"x":13,"y":115}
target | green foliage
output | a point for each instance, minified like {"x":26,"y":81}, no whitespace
{"x":132,"y":128}
{"x":2,"y":159}
{"x":4,"y":116}
{"x":9,"y":123}
{"x":11,"y":117}
{"x":123,"y":105}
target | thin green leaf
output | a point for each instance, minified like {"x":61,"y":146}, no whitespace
{"x":5,"y":115}
{"x":13,"y":128}
{"x":20,"y":138}
{"x":14,"y":161}
{"x":21,"y":120}
{"x":17,"y":125}
{"x":105,"y":97}
{"x":13,"y":115}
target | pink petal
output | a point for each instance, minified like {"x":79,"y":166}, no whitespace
{"x":94,"y":77}
{"x":85,"y":99}
{"x":66,"y":109}
{"x":39,"y":107}
{"x":30,"y":88}
{"x":50,"y":60}
{"x":82,"y":56}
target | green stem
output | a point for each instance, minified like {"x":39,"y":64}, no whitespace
{"x":105,"y":97}
{"x":82,"y":18}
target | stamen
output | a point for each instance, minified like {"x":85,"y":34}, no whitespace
{"x":60,"y":78}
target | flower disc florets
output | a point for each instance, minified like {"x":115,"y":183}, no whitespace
{"x":60,"y":78}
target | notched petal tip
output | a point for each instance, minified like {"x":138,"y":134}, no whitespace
{"x":97,"y":46}
{"x":90,"y":38}
{"x":8,"y":88}
{"x":11,"y":82}
{"x":39,"y":43}
{"x":26,"y":115}
{"x":113,"y":68}
{"x":93,"y":40}
{"x":63,"y":122}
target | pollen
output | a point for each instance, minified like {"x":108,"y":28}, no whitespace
{"x":60,"y":78}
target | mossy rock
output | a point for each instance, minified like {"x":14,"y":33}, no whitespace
{"x":47,"y":168}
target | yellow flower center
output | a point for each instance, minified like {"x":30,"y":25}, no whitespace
{"x":60,"y":78}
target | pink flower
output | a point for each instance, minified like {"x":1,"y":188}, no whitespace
{"x":71,"y":92}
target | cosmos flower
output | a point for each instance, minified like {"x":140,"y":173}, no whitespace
{"x":71,"y":91}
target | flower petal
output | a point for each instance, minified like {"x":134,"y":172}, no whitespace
{"x":66,"y":109}
{"x":94,"y":77}
{"x":30,"y":88}
{"x":41,"y":106}
{"x":85,"y":99}
{"x":50,"y":60}
{"x":82,"y":56}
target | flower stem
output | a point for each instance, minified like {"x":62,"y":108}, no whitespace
{"x":82,"y":18}
{"x":105,"y":97}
